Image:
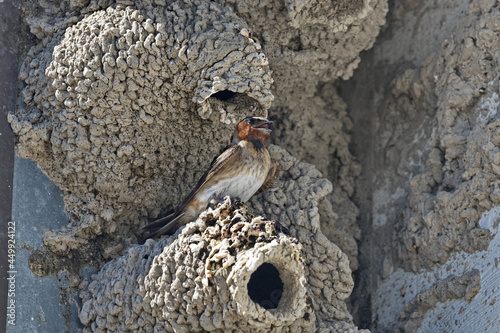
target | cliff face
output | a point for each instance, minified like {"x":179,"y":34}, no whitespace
{"x":431,"y":164}
{"x":390,"y":171}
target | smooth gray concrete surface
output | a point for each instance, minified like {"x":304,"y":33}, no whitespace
{"x":37,"y":207}
{"x":9,"y":27}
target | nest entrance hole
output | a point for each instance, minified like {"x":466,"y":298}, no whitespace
{"x":224,"y":95}
{"x":265,"y":286}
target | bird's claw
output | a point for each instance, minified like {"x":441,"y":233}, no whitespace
{"x":213,"y":202}
{"x":233,"y":200}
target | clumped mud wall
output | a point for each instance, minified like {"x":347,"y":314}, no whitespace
{"x":167,"y":282}
{"x":106,"y":104}
{"x":124,"y":105}
{"x":201,"y":281}
{"x":106,"y":84}
{"x":389,"y":182}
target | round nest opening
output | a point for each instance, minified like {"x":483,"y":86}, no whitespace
{"x":265,"y":286}
{"x":268,"y":283}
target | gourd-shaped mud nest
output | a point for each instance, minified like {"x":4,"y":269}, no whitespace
{"x":226,"y":271}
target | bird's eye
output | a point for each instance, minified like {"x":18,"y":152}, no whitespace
{"x":251,"y":121}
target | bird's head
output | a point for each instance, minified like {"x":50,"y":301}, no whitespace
{"x":254,"y":129}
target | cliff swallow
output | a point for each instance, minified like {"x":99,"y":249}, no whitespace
{"x":242,"y":170}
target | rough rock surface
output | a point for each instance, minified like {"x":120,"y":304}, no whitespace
{"x":462,"y":159}
{"x":429,"y":161}
{"x":453,"y":287}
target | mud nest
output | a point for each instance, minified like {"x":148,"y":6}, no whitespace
{"x":228,"y":270}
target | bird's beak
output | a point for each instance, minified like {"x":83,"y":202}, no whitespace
{"x":264,"y":126}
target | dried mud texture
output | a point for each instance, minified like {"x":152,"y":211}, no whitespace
{"x":121,"y":107}
{"x":310,"y":44}
{"x":165,"y":283}
{"x":104,"y":71}
{"x":199,"y":281}
{"x":321,"y":136}
{"x":462,"y":157}
{"x":294,"y":202}
{"x":122,"y":112}
{"x":453,"y":287}
{"x":306,"y":42}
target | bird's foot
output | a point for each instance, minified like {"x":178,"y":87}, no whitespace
{"x":213,"y":202}
{"x":233,"y":200}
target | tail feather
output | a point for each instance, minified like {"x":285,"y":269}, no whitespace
{"x":164,"y":226}
{"x":157,"y":224}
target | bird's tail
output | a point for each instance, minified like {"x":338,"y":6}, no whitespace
{"x":164,"y":226}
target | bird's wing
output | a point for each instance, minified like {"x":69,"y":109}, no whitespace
{"x":227,"y":156}
{"x":272,"y":175}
